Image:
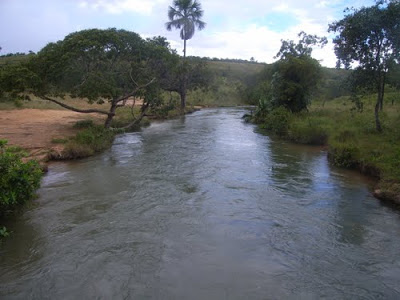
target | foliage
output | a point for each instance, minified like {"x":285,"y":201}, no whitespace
{"x":185,"y":15}
{"x":291,"y":81}
{"x":15,"y":79}
{"x":92,"y":139}
{"x":343,"y":155}
{"x":294,"y":81}
{"x":183,"y":76}
{"x":4,"y":232}
{"x":369,"y":36}
{"x":351,"y":137}
{"x":101,"y":66}
{"x":18,"y":180}
{"x":307,"y":129}
{"x":277,"y":121}
{"x":302,"y":48}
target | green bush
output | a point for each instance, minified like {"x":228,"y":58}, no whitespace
{"x":345,"y":155}
{"x":277,"y":121}
{"x":4,"y":232}
{"x":18,"y":180}
{"x":87,"y":142}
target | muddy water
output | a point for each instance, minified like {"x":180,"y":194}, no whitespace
{"x":203,"y":207}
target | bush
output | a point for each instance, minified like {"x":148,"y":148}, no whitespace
{"x":277,"y":121}
{"x":4,"y":232}
{"x":86,"y":143}
{"x":344,"y":155}
{"x":18,"y":180}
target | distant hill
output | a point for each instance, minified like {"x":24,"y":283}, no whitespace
{"x":14,"y":58}
{"x":231,"y":79}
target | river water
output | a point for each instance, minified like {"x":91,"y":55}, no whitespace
{"x":203,"y":207}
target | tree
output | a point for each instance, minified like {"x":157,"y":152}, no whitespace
{"x":180,"y":76}
{"x":294,"y":81}
{"x":296,"y":74}
{"x":102,"y":66}
{"x":370,"y":37}
{"x":303,"y":47}
{"x":186,"y":16}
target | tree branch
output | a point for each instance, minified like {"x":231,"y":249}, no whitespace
{"x":136,"y":121}
{"x":85,"y":111}
{"x":134,"y":91}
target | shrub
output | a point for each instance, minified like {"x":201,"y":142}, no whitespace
{"x":86,"y":143}
{"x":344,"y":155}
{"x":18,"y":180}
{"x":4,"y":232}
{"x":277,"y":121}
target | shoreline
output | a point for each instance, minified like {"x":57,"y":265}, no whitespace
{"x":36,"y":131}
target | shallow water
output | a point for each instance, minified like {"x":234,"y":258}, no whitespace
{"x":203,"y":207}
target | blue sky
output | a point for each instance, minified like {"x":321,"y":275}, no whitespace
{"x":235,"y":29}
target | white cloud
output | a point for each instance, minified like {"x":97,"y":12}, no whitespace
{"x":256,"y":40}
{"x":281,"y":7}
{"x":121,"y":6}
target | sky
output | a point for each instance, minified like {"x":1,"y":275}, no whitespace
{"x":238,"y":29}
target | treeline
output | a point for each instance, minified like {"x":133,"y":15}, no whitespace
{"x":229,"y":60}
{"x":17,"y":54}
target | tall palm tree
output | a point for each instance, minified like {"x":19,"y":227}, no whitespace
{"x":185,"y":15}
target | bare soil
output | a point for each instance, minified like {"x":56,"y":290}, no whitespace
{"x":34,"y":129}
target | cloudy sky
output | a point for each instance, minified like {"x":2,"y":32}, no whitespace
{"x":235,"y":28}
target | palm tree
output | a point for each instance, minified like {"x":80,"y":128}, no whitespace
{"x":185,"y":15}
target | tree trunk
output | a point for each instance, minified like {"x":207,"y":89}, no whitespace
{"x":111,"y":114}
{"x":382,"y":83}
{"x":183,"y":96}
{"x":184,"y":49}
{"x":377,"y":109}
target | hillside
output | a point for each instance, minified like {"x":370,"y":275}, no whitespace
{"x":231,"y":80}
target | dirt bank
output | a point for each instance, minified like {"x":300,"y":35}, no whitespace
{"x":34,"y":129}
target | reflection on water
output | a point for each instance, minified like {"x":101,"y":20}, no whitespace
{"x":203,"y":207}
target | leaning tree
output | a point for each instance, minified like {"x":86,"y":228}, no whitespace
{"x":99,"y":66}
{"x":369,"y":39}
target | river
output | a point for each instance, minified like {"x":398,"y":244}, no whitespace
{"x":203,"y":207}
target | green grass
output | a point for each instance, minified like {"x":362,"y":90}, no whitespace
{"x":351,"y":137}
{"x":87,"y":142}
{"x":59,"y":141}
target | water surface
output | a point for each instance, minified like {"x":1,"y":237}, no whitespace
{"x":203,"y":207}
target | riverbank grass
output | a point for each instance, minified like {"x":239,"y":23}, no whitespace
{"x":350,"y":136}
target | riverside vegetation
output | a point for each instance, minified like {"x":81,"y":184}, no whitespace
{"x":364,"y":135}
{"x":18,"y":181}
